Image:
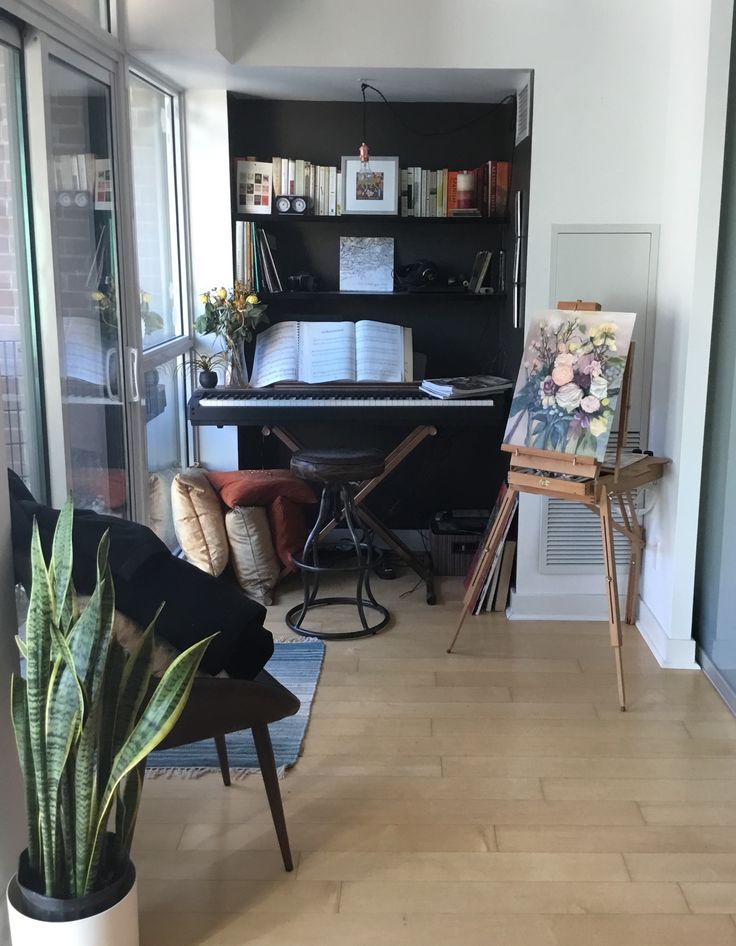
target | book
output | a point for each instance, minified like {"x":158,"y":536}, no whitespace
{"x":338,"y":209}
{"x":504,"y":578}
{"x":432,"y":200}
{"x":284,"y":187}
{"x":493,"y":564}
{"x":481,"y":265}
{"x":291,"y":177}
{"x":366,"y":264}
{"x":404,"y":193}
{"x":451,"y":192}
{"x":253,"y":186}
{"x":464,"y":386}
{"x":332,"y":193}
{"x":276,"y":176}
{"x":410,"y":192}
{"x":318,"y":352}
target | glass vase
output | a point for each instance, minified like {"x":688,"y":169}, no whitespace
{"x":237,"y":368}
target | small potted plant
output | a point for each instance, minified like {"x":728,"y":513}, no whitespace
{"x":233,"y":316}
{"x":205,"y":363}
{"x":83,"y":725}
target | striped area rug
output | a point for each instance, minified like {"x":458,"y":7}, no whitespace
{"x":295,"y":664}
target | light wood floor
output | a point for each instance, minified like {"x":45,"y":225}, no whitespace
{"x":496,"y":795}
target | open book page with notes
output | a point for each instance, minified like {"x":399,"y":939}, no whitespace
{"x":380,"y":352}
{"x":326,"y":351}
{"x":277,"y":355}
{"x":319,"y":352}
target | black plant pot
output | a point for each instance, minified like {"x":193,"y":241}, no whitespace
{"x":54,"y":910}
{"x":208,"y":379}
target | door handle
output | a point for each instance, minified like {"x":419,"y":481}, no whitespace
{"x":135,"y":394}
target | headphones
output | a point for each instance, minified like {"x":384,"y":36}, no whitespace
{"x":416,"y":275}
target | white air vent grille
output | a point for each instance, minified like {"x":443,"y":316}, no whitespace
{"x":522,"y":113}
{"x":571,"y":534}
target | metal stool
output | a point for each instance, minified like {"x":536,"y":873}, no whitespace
{"x":336,"y":470}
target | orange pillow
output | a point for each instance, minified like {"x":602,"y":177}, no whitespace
{"x":260,"y":487}
{"x":288,"y":529}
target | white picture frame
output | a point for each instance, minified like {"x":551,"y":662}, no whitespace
{"x":253,"y":186}
{"x":371,"y":188}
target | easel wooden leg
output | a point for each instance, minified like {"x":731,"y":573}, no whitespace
{"x":508,"y":505}
{"x":614,"y":616}
{"x":636,"y":546}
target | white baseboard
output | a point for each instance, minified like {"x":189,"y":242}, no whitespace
{"x":671,"y":653}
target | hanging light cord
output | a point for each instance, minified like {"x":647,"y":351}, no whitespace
{"x":426,"y":134}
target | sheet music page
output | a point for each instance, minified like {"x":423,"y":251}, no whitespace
{"x":277,"y":355}
{"x":326,"y":352}
{"x":379,"y":350}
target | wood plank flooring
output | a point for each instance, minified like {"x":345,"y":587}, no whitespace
{"x":495,"y":795}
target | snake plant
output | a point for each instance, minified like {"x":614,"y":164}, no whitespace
{"x":80,"y":723}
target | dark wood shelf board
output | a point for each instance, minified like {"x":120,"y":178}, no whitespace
{"x":435,"y":294}
{"x":268,"y":219}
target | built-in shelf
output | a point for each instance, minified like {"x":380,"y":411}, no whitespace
{"x":432,"y":293}
{"x":267,"y":220}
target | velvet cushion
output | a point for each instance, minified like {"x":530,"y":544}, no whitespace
{"x":252,"y":554}
{"x":288,"y":529}
{"x":260,"y":487}
{"x":199,"y":522}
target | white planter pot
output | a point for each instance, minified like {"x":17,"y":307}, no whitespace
{"x":117,"y":926}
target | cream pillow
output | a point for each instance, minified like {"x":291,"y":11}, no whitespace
{"x":251,"y":552}
{"x":199,"y":521}
{"x":160,"y":515}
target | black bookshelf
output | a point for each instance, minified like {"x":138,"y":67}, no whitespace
{"x":460,"y":333}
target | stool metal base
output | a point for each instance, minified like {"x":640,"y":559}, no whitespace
{"x":337,"y":501}
{"x":337,"y":635}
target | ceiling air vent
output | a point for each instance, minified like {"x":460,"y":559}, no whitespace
{"x":523,"y":113}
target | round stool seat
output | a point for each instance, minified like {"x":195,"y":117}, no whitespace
{"x":337,"y":465}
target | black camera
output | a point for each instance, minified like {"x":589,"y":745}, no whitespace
{"x":302,"y":282}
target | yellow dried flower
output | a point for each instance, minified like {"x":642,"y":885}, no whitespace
{"x":252,"y":299}
{"x":97,"y":296}
{"x":222,"y":294}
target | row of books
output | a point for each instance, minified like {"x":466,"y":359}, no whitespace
{"x":74,"y":172}
{"x":259,"y":182}
{"x":254,"y":259}
{"x":480,"y":192}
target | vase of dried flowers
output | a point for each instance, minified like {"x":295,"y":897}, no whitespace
{"x":232,"y":315}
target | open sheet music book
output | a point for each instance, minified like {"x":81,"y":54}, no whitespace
{"x":315,"y":352}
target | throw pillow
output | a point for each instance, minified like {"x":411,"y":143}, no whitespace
{"x":160,"y":514}
{"x":288,"y":529}
{"x":260,"y":487}
{"x":251,"y":552}
{"x":199,"y":521}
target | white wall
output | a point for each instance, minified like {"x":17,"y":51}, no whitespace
{"x":628,"y":126}
{"x":691,"y":192}
{"x":208,"y":158}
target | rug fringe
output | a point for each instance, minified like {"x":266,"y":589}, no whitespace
{"x":295,"y":640}
{"x":195,"y":772}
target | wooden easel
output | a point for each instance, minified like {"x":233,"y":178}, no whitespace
{"x":596,"y":486}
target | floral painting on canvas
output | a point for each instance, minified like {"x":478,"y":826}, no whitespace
{"x":569,"y":382}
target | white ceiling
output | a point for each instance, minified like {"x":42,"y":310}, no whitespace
{"x":204,"y":70}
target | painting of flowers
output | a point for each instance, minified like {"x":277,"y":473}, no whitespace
{"x":569,"y":382}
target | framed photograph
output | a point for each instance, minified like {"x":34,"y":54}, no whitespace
{"x":371,"y":188}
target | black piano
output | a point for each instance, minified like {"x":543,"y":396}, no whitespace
{"x":440,"y":453}
{"x":381,"y":404}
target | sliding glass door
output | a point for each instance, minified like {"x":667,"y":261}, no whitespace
{"x":18,"y":365}
{"x":92,"y":359}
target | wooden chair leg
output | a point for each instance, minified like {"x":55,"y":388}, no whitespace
{"x":221,"y":747}
{"x":264,"y":749}
{"x":614,"y":615}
